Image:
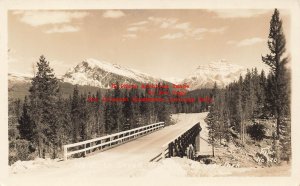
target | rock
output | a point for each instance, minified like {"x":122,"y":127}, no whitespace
{"x":207,"y":161}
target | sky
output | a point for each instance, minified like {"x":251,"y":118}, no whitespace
{"x":163,"y":43}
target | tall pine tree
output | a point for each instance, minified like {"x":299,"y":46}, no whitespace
{"x":43,"y":106}
{"x":277,"y":61}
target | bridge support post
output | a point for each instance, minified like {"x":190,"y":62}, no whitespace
{"x":171,"y":147}
{"x":197,"y":143}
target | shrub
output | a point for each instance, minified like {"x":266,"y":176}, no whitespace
{"x":256,"y":131}
{"x":19,"y":150}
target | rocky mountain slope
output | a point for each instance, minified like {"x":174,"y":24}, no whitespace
{"x":101,"y":74}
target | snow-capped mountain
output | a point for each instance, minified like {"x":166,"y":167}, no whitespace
{"x":93,"y":72}
{"x":174,"y":80}
{"x":102,"y":74}
{"x":220,"y":72}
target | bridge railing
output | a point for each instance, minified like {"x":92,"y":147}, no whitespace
{"x":178,"y":145}
{"x":109,"y":141}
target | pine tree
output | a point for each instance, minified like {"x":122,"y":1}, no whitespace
{"x":108,"y":118}
{"x":212,"y":121}
{"x":270,"y":95}
{"x":163,"y":109}
{"x":117,"y":110}
{"x":83,"y":118}
{"x":13,"y":132}
{"x":276,"y":61}
{"x":100,"y":114}
{"x":43,"y":106}
{"x":65,"y":127}
{"x":131,"y":110}
{"x":212,"y":117}
{"x":260,"y":111}
{"x":13,"y":115}
{"x":127,"y":106}
{"x":144,"y":111}
{"x":75,"y":114}
{"x":26,"y":128}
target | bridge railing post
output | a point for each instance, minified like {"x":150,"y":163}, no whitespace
{"x":65,"y":152}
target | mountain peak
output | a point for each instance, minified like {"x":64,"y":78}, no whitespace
{"x":222,"y":64}
{"x":98,"y":63}
{"x":100,"y":73}
{"x":220,"y":72}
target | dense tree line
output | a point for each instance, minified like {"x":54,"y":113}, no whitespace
{"x":256,"y":97}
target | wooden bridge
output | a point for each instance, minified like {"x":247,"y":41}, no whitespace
{"x":109,"y":141}
{"x":175,"y":147}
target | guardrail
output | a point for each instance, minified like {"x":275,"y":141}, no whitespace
{"x":109,"y":141}
{"x":178,"y":145}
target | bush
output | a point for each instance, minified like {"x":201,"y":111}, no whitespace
{"x":256,"y":131}
{"x":19,"y":150}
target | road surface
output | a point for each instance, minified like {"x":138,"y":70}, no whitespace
{"x":205,"y":147}
{"x":128,"y":160}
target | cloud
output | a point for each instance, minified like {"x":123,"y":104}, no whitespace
{"x":199,"y":38}
{"x":240,"y":13}
{"x":62,"y":29}
{"x":217,"y":30}
{"x":231,"y":42}
{"x":139,"y":23}
{"x":40,"y":18}
{"x":184,"y":29}
{"x":167,"y":23}
{"x":189,"y":30}
{"x":246,"y":42}
{"x":131,"y":36}
{"x":172,"y":36}
{"x":199,"y":31}
{"x":250,"y":41}
{"x":162,"y":22}
{"x":135,"y":28}
{"x":113,"y":14}
{"x":182,"y":26}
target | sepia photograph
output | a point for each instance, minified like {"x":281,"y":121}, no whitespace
{"x":148,"y":93}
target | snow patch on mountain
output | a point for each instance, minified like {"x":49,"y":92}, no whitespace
{"x":220,"y":72}
{"x":174,"y":80}
{"x":101,"y":73}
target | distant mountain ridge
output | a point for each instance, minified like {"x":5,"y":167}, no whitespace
{"x":102,"y":74}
